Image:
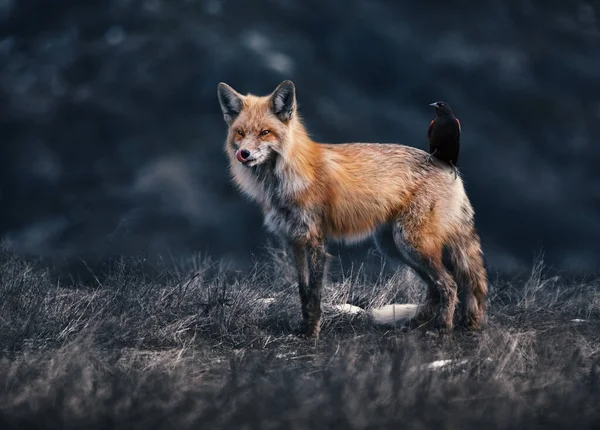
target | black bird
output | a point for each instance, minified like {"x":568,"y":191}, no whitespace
{"x":444,"y":135}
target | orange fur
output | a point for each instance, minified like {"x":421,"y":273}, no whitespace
{"x":348,"y":191}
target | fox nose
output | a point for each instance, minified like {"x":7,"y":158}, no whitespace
{"x":242,"y":155}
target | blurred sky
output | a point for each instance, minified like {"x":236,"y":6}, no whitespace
{"x":112,"y":137}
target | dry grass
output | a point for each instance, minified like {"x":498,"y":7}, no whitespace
{"x":199,"y":346}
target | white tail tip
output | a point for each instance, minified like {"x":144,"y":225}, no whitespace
{"x":392,"y":314}
{"x":348,"y":309}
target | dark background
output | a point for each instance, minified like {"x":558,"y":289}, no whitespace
{"x":111,"y":134}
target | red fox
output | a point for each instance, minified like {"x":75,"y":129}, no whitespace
{"x":313,"y":192}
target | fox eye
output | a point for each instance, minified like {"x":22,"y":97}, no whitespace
{"x":264,"y":132}
{"x":240,"y":132}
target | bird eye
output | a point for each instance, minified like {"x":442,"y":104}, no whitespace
{"x":264,"y":132}
{"x":240,"y":132}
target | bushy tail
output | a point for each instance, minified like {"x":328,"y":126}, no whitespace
{"x":467,"y":268}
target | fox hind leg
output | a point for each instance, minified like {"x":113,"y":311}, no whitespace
{"x":466,"y":265}
{"x":390,"y":243}
{"x":441,"y":288}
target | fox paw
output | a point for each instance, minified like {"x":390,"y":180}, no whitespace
{"x":310,"y":330}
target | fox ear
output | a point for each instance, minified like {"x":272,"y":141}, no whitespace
{"x":283,"y":100}
{"x":231,"y":102}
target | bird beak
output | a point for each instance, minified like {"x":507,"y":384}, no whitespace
{"x":435,"y":105}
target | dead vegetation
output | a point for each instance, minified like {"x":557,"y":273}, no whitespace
{"x":203,"y":346}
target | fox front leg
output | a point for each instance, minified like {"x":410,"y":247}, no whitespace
{"x":299,"y":251}
{"x":317,"y":261}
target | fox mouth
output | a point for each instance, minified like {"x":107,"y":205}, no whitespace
{"x":244,"y":160}
{"x":250,"y":160}
{"x":240,"y":158}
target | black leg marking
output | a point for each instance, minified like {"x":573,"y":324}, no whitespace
{"x":317,"y":261}
{"x":384,"y":240}
{"x":299,"y":251}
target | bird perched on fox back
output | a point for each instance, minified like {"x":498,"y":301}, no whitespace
{"x":444,"y":135}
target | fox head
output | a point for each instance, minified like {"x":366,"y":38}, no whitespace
{"x":259,"y":127}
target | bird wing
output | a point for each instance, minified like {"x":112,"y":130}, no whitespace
{"x":458,"y":122}
{"x":430,"y":128}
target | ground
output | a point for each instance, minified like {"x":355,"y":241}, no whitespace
{"x":202,"y":346}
